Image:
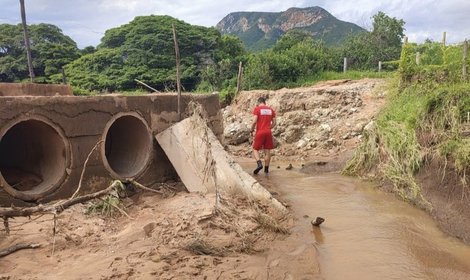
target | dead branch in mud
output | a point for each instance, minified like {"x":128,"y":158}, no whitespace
{"x":7,"y":212}
{"x":140,"y":186}
{"x":84,"y":168}
{"x":6,"y":224}
{"x":17,"y":247}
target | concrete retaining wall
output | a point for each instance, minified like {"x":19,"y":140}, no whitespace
{"x":28,"y":89}
{"x":44,"y":142}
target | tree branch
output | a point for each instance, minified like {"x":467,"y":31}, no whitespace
{"x":18,"y":247}
{"x":56,"y":208}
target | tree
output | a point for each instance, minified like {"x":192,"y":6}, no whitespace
{"x":387,"y":35}
{"x":221,"y":75}
{"x":295,"y":56}
{"x":143,"y":49}
{"x":383,"y":43}
{"x":50,"y":51}
{"x":290,"y":39}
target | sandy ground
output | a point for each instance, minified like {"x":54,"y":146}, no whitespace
{"x":180,"y":237}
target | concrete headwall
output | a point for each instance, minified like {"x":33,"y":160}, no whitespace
{"x":44,"y":142}
{"x":29,"y":89}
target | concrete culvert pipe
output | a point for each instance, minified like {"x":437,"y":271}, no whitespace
{"x":34,"y":156}
{"x":128,"y":145}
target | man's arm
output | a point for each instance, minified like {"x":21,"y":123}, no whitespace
{"x":273,"y":122}
{"x":253,"y":124}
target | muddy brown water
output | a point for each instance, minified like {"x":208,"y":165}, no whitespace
{"x":368,"y":234}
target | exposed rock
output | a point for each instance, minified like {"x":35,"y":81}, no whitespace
{"x":324,"y":119}
{"x":236,"y":133}
{"x":370,"y":126}
{"x":326,"y":127}
{"x":262,"y":30}
{"x":292,"y":133}
{"x":359,"y":127}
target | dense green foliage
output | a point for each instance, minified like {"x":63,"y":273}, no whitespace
{"x":436,"y":63}
{"x":143,"y":49}
{"x":50,"y":48}
{"x":426,"y":113}
{"x":291,"y":59}
{"x":383,"y":43}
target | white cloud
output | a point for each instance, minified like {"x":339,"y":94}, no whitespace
{"x":87,"y":20}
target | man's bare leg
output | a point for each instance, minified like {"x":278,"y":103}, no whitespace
{"x":256,"y":155}
{"x":267,"y":160}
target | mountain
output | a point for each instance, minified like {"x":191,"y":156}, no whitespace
{"x":261,"y":30}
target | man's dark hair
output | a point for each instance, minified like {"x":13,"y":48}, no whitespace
{"x":262,"y":100}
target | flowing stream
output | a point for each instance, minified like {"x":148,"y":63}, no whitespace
{"x":368,"y":234}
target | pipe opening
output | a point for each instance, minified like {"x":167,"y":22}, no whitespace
{"x":32,"y":159}
{"x":128,"y":144}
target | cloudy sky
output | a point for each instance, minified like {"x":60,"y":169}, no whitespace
{"x":86,"y":20}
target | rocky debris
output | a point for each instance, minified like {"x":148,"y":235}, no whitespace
{"x":236,"y":133}
{"x":319,"y":120}
{"x":318,"y":221}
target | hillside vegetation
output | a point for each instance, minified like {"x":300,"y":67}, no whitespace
{"x":425,"y":122}
{"x":143,"y":49}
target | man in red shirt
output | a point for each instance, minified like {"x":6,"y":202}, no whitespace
{"x":264,"y":120}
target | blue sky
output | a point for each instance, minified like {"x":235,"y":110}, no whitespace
{"x":87,"y":20}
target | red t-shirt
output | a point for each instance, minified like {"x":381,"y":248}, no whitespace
{"x":265,"y":116}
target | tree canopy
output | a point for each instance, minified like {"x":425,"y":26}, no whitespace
{"x":143,"y":49}
{"x":383,"y":43}
{"x":50,"y":48}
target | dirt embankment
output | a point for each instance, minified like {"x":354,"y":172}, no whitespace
{"x":448,"y":193}
{"x":321,"y":124}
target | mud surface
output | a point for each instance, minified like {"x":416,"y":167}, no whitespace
{"x":178,"y":237}
{"x":367,"y":234}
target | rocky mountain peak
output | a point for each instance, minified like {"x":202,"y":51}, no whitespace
{"x":260,"y":30}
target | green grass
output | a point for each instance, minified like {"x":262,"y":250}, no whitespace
{"x":392,"y":151}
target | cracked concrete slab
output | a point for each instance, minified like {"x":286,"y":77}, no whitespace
{"x":204,"y":166}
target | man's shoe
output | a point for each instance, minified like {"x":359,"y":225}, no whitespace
{"x":266,"y":170}
{"x":260,"y":166}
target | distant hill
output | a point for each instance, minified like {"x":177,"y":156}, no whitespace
{"x":261,"y":30}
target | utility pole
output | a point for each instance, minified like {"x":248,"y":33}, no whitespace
{"x":465,"y":57}
{"x":26,"y":41}
{"x":178,"y":78}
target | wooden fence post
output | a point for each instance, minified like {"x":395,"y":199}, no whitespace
{"x":405,"y":41}
{"x":380,"y":66}
{"x":444,"y":35}
{"x":465,"y":58}
{"x":239,"y":78}
{"x":418,"y":58}
{"x":64,"y":78}
{"x":345,"y":65}
{"x":178,"y":78}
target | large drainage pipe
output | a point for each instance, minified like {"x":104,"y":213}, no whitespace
{"x":34,"y":156}
{"x":128,"y":144}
